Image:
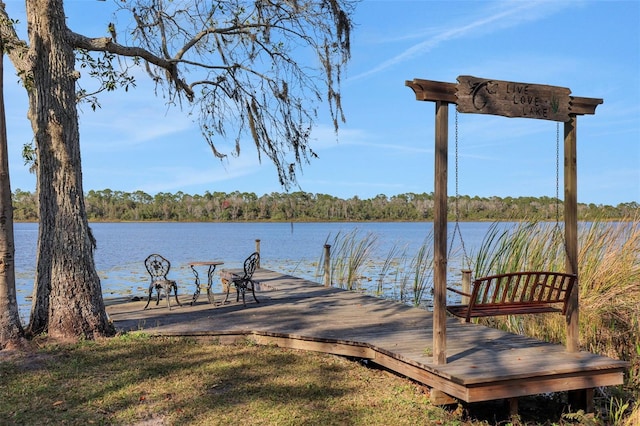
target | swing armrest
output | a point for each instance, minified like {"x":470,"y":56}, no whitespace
{"x":462,"y":293}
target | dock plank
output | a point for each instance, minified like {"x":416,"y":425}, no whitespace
{"x":482,"y":363}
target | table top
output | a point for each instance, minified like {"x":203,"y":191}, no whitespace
{"x":207,"y":263}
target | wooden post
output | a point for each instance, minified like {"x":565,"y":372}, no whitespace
{"x":258,"y":250}
{"x":513,"y":406}
{"x":466,"y":285}
{"x":466,"y":288}
{"x":571,"y":228}
{"x":582,"y":399}
{"x":440,"y":234}
{"x":327,"y":265}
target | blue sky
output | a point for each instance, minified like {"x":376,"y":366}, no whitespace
{"x":134,"y":142}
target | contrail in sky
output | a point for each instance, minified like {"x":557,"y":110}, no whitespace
{"x":515,"y":17}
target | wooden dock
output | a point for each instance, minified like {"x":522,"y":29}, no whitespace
{"x":482,"y":363}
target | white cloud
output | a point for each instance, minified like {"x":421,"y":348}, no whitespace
{"x":501,"y":15}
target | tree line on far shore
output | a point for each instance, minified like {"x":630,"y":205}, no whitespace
{"x":108,"y":205}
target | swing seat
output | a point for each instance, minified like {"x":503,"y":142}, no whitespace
{"x":515,"y":293}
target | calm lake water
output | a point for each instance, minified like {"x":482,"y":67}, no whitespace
{"x":292,"y":248}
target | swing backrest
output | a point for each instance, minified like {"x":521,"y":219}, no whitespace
{"x":524,"y":289}
{"x":516,"y":293}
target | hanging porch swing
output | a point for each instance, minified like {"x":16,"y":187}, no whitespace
{"x":513,"y":293}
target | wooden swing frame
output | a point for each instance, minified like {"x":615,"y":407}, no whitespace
{"x":508,"y":99}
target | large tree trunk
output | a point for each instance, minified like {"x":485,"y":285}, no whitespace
{"x":11,"y":331}
{"x":67,"y":299}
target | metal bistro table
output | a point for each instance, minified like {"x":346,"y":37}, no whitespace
{"x":212,"y":267}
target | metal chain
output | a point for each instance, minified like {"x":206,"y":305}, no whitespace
{"x":456,"y":229}
{"x":557,"y":172}
{"x":457,"y":181}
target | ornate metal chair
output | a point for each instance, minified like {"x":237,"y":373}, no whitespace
{"x":244,"y":282}
{"x":158,"y":268}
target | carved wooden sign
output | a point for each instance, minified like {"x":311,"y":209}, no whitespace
{"x":510,"y":99}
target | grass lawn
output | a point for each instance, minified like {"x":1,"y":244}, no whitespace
{"x":134,"y":379}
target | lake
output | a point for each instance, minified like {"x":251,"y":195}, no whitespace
{"x":292,"y":248}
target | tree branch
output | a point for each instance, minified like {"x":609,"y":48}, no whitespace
{"x":106,"y":44}
{"x":14,"y":47}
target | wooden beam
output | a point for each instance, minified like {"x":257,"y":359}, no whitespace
{"x":442,"y":388}
{"x":336,"y":348}
{"x":440,"y":234}
{"x":571,"y":229}
{"x":428,"y":90}
{"x":434,"y":91}
{"x":536,"y":386}
{"x":581,"y":106}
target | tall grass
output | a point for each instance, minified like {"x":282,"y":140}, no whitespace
{"x":413,"y":275}
{"x":608,"y":277}
{"x":405,"y":278}
{"x":527,"y":246}
{"x":350,"y":253}
{"x":387,"y":270}
{"x":421,"y":271}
